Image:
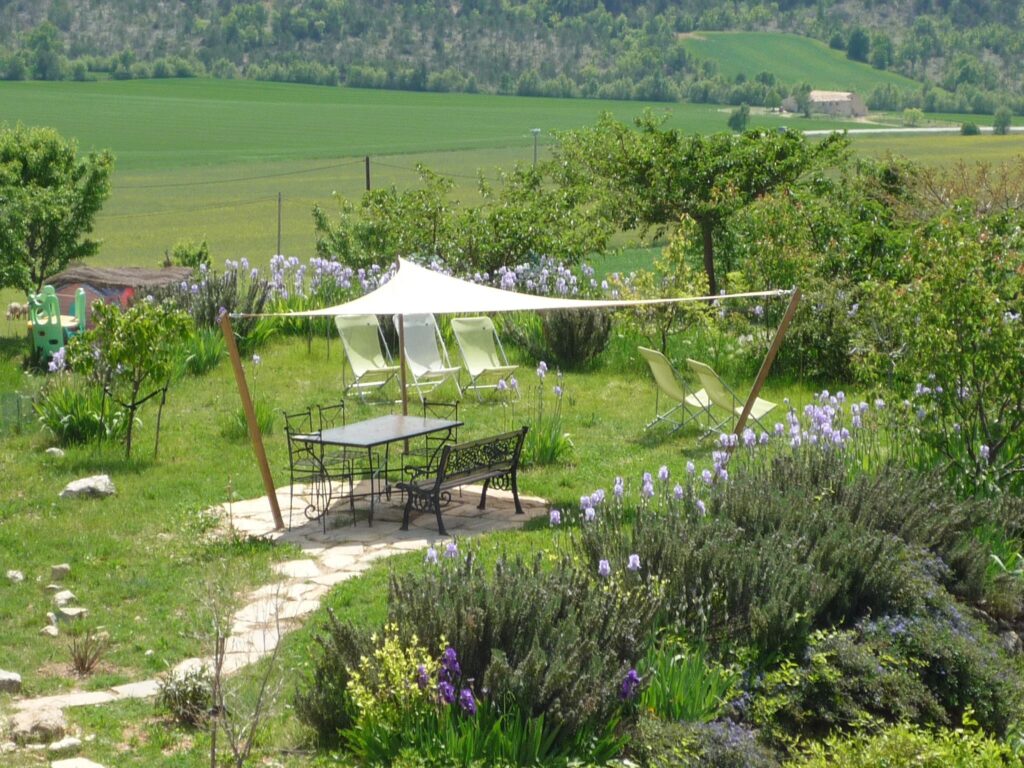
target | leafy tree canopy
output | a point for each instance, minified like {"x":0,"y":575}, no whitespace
{"x":652,"y":177}
{"x":50,"y":197}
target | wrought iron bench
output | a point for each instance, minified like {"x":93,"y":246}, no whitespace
{"x":493,"y":460}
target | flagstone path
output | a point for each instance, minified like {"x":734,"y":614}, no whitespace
{"x":343,"y":551}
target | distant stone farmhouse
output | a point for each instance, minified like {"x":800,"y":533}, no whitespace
{"x":835,"y":103}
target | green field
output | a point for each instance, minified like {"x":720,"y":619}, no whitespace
{"x":207,"y":158}
{"x":792,"y":59}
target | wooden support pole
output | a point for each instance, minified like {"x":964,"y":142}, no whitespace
{"x":367,"y":162}
{"x":402,"y":375}
{"x":250,"y":420}
{"x":766,"y":365}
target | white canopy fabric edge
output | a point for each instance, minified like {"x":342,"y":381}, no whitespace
{"x":415,"y":290}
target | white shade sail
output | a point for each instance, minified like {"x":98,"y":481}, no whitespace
{"x":415,"y":290}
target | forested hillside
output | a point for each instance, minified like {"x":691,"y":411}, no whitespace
{"x":966,"y":55}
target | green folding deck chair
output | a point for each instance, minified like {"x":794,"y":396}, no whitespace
{"x":669,"y":383}
{"x":724,"y":398}
{"x":365,"y":349}
{"x":47,"y":333}
{"x":481,"y":352}
{"x":426,"y":356}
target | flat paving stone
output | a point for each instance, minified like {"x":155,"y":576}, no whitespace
{"x":62,"y":700}
{"x":140,"y":690}
{"x":75,"y":762}
{"x":297,"y":569}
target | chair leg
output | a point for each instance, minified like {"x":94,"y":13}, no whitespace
{"x":408,"y":509}
{"x":483,"y":494}
{"x":437,"y":510}
{"x":515,"y":494}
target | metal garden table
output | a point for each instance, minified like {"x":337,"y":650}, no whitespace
{"x":369,"y":435}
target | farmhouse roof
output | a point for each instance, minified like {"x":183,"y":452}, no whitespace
{"x":120,"y":277}
{"x":831,"y":96}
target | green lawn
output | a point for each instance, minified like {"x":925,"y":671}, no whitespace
{"x":792,"y":59}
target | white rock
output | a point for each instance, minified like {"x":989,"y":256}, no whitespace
{"x":38,"y":726}
{"x":51,"y":617}
{"x":66,"y":746}
{"x":10,"y":682}
{"x":58,"y":572}
{"x":55,"y":452}
{"x":71,"y":614}
{"x":64,"y":597}
{"x":49,"y":630}
{"x":15,"y":576}
{"x":96,"y":485}
{"x":7,"y":746}
{"x":75,"y":762}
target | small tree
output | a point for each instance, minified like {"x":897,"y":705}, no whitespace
{"x":1001,"y":122}
{"x":912,"y":117}
{"x":50,"y":198}
{"x":858,"y":46}
{"x":739,"y":117}
{"x":129,"y":352}
{"x":652,"y":177}
{"x":672,"y":276}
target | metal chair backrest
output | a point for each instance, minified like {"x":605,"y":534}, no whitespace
{"x":479,"y":343}
{"x":424,"y":350}
{"x":717,"y":391}
{"x":664,"y":374}
{"x":362,"y":339}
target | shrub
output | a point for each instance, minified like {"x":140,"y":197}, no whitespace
{"x":87,"y":646}
{"x":555,"y":641}
{"x":719,"y":744}
{"x":930,"y":668}
{"x":793,"y":543}
{"x":960,"y":662}
{"x":969,"y":129}
{"x":841,"y":684}
{"x":237,"y":290}
{"x":908,"y":744}
{"x":962,"y":349}
{"x":77,"y":413}
{"x":187,"y":695}
{"x":202,"y":351}
{"x":682,"y":685}
{"x":322,"y":702}
{"x":404,"y":697}
{"x":574,"y":337}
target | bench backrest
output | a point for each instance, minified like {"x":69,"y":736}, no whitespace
{"x":497,"y":453}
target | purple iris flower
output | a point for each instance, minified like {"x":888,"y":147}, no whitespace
{"x":604,"y":570}
{"x":634,"y":563}
{"x":446,"y":692}
{"x":431,"y":556}
{"x":630,"y":683}
{"x":467,"y":702}
{"x":555,"y":517}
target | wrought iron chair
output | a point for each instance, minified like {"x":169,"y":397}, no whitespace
{"x":305,"y":466}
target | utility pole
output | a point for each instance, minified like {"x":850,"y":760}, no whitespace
{"x":536,"y":133}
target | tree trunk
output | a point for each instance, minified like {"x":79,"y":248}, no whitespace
{"x":707,"y":231}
